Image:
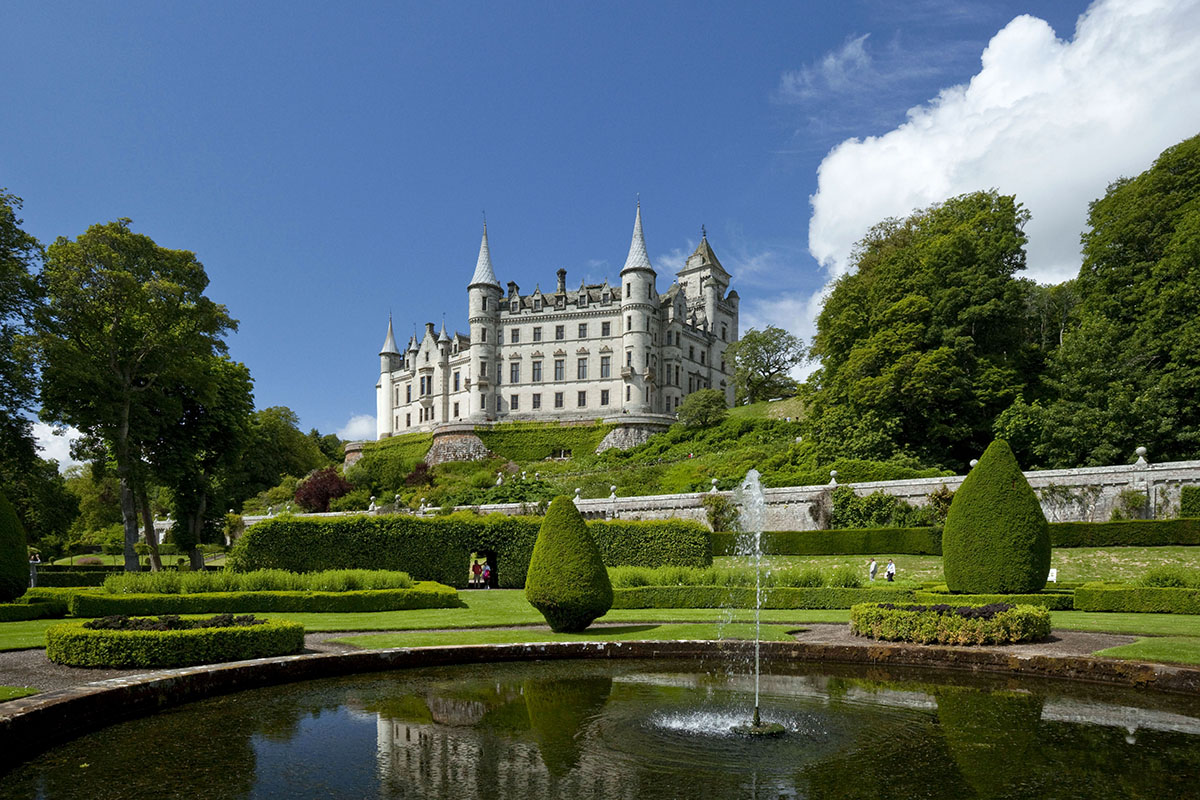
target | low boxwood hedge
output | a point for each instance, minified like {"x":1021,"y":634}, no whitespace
{"x":744,"y":597}
{"x":425,"y":594}
{"x":439,"y":549}
{"x":838,"y":542}
{"x":1053,"y":600}
{"x":80,"y":568}
{"x":72,"y":644}
{"x":1126,"y":533}
{"x":1139,"y":599}
{"x":18,"y":612}
{"x":1000,"y":623}
{"x":72,"y":578}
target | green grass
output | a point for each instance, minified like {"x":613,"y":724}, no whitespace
{"x":1169,"y":649}
{"x":13,"y":692}
{"x":791,"y":407}
{"x":620,"y":633}
{"x":1114,"y":622}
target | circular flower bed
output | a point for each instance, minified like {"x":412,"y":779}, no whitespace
{"x":995,"y":623}
{"x":170,"y":641}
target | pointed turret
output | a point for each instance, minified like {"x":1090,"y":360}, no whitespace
{"x":637,"y":258}
{"x":443,"y":338}
{"x":484,"y":274}
{"x":389,"y":344}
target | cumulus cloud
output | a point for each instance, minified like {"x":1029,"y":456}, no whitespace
{"x":1050,"y":120}
{"x":360,"y":427}
{"x":55,"y":443}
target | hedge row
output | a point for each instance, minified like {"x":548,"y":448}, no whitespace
{"x":924,"y":625}
{"x":72,"y":644}
{"x":1189,"y":501}
{"x":440,"y":549}
{"x":72,"y":578}
{"x":845,"y":541}
{"x":744,"y":597}
{"x":43,"y":568}
{"x":1126,"y":533}
{"x":1054,"y":601}
{"x":423,"y":595}
{"x":1138,"y":599}
{"x":18,"y":612}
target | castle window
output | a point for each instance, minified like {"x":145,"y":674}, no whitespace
{"x":408,"y":393}
{"x":606,"y":329}
{"x":408,"y":420}
{"x":723,"y":332}
{"x":583,"y":300}
{"x":397,"y":394}
{"x":515,"y":336}
{"x":457,"y":383}
{"x":560,"y":370}
{"x":701,"y":356}
{"x":628,"y":289}
{"x":483,"y":369}
{"x":558,"y":399}
{"x":581,"y":369}
{"x":604,"y":397}
{"x":537,"y":401}
{"x":426,"y":357}
{"x":456,"y":410}
{"x":677,"y":375}
{"x":537,"y":372}
{"x":513,"y":403}
{"x":581,"y":400}
{"x":537,"y":304}
{"x":649,"y":291}
{"x":627,"y":394}
{"x":583,"y":330}
{"x":514,"y":306}
{"x":485,"y":304}
{"x":606,"y":298}
{"x":722,"y":365}
{"x":605,"y":366}
{"x":560,"y":331}
{"x":483,"y":334}
{"x":514,"y":372}
{"x":691,"y":353}
{"x":629,"y":358}
{"x":537,"y":334}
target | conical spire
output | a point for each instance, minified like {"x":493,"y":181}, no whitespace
{"x":483,"y":268}
{"x":637,"y":258}
{"x":389,"y":344}
{"x":443,"y":337}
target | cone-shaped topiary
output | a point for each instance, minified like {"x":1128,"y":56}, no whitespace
{"x":996,"y":540}
{"x":567,"y":581}
{"x":14,"y":554}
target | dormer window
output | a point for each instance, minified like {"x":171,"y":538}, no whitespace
{"x":537,"y":304}
{"x":606,"y":298}
{"x":583,"y":300}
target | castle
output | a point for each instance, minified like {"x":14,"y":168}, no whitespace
{"x":596,"y":352}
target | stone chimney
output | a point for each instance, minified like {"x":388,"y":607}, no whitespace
{"x":562,"y":281}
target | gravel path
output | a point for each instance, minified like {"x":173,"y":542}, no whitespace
{"x":31,"y":667}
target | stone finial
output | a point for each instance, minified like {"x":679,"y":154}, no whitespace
{"x":612,"y":492}
{"x":270,"y":511}
{"x":578,"y":491}
{"x":499,"y":478}
{"x":714,"y":487}
{"x":833,"y":477}
{"x":974,"y":461}
{"x":1141,"y":457}
{"x":523,"y":475}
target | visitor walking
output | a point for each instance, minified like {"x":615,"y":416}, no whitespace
{"x":487,"y":576}
{"x":890,"y":572}
{"x":34,"y":560}
{"x":871,"y":568}
{"x":476,"y":572}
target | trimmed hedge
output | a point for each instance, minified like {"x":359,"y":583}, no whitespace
{"x":839,"y":542}
{"x":1189,"y":501}
{"x":948,"y":625}
{"x":72,"y":644}
{"x":1126,"y":533}
{"x":42,"y":568}
{"x":71,"y":578}
{"x":14,"y":554}
{"x":439,"y":549}
{"x":567,"y":582}
{"x":423,"y":595}
{"x":18,"y":612}
{"x":1137,"y":599}
{"x":744,"y":597}
{"x":1055,"y":601}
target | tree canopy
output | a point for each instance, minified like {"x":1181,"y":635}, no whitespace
{"x":760,"y":362}
{"x":20,"y":255}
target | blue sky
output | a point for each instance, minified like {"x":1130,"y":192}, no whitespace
{"x":330,"y":163}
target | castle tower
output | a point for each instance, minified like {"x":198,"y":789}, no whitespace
{"x":483,"y":294}
{"x":639,"y":299}
{"x":389,"y":361}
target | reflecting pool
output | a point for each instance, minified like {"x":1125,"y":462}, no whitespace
{"x":640,"y":729}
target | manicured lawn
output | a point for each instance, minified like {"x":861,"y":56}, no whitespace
{"x":13,"y":692}
{"x":775,"y":633}
{"x":30,"y":633}
{"x":1149,"y":624}
{"x":1169,"y":649}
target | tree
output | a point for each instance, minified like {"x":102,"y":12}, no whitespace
{"x":929,"y":339}
{"x":567,"y":581}
{"x":329,"y":444}
{"x":45,"y":506}
{"x":14,"y":554}
{"x":125,"y":320}
{"x":20,"y":294}
{"x":277,"y":448}
{"x":760,"y":362}
{"x":703,"y":409}
{"x":315,"y":492}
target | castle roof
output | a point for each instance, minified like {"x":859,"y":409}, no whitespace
{"x":703,"y":256}
{"x":637,"y":258}
{"x":389,"y":344}
{"x":484,"y":274}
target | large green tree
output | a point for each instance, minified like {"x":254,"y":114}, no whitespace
{"x":20,"y":255}
{"x":760,"y":362}
{"x":125,"y":320}
{"x":929,"y":337}
{"x":278,"y":448}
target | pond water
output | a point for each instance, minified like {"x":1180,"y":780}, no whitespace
{"x":640,"y":729}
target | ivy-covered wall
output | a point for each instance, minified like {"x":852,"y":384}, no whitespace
{"x":535,"y":441}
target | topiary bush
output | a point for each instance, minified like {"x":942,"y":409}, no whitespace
{"x":996,"y":623}
{"x":567,"y":581}
{"x":14,"y":554}
{"x":996,"y":540}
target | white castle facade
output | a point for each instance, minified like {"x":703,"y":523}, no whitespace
{"x":594,"y":352}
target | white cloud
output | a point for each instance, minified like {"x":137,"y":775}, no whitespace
{"x":1051,"y":121}
{"x":795,"y":312}
{"x":360,"y":427}
{"x":835,"y":72}
{"x":55,"y":443}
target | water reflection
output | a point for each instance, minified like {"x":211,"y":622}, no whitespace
{"x":639,"y":730}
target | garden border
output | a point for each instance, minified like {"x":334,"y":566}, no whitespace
{"x":32,"y":724}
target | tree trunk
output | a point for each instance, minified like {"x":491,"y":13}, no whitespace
{"x":128,"y":512}
{"x":151,"y":534}
{"x":196,"y":526}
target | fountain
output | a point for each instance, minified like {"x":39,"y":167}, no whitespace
{"x":750,"y":499}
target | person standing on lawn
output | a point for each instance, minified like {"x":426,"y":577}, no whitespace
{"x":890,"y":572}
{"x":872,"y":567}
{"x":476,"y":573}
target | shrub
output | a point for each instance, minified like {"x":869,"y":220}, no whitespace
{"x":996,"y":539}
{"x":322,"y":486}
{"x":1131,"y":504}
{"x":72,"y":577}
{"x":1137,"y":599}
{"x":1128,"y":533}
{"x":846,"y":577}
{"x":1169,"y":578}
{"x":855,"y":541}
{"x":1189,"y":501}
{"x":722,"y":513}
{"x":346,"y":580}
{"x":567,"y":581}
{"x":779,"y":597}
{"x":17,"y":612}
{"x":653,"y":543}
{"x":422,"y":595}
{"x":876,"y":510}
{"x":14,"y":554}
{"x":703,"y":409}
{"x":999,"y":623}
{"x":1055,"y":601}
{"x":73,"y":644}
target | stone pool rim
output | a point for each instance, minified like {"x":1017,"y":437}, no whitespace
{"x":36,"y":723}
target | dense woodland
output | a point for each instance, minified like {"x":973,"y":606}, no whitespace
{"x":933,"y":345}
